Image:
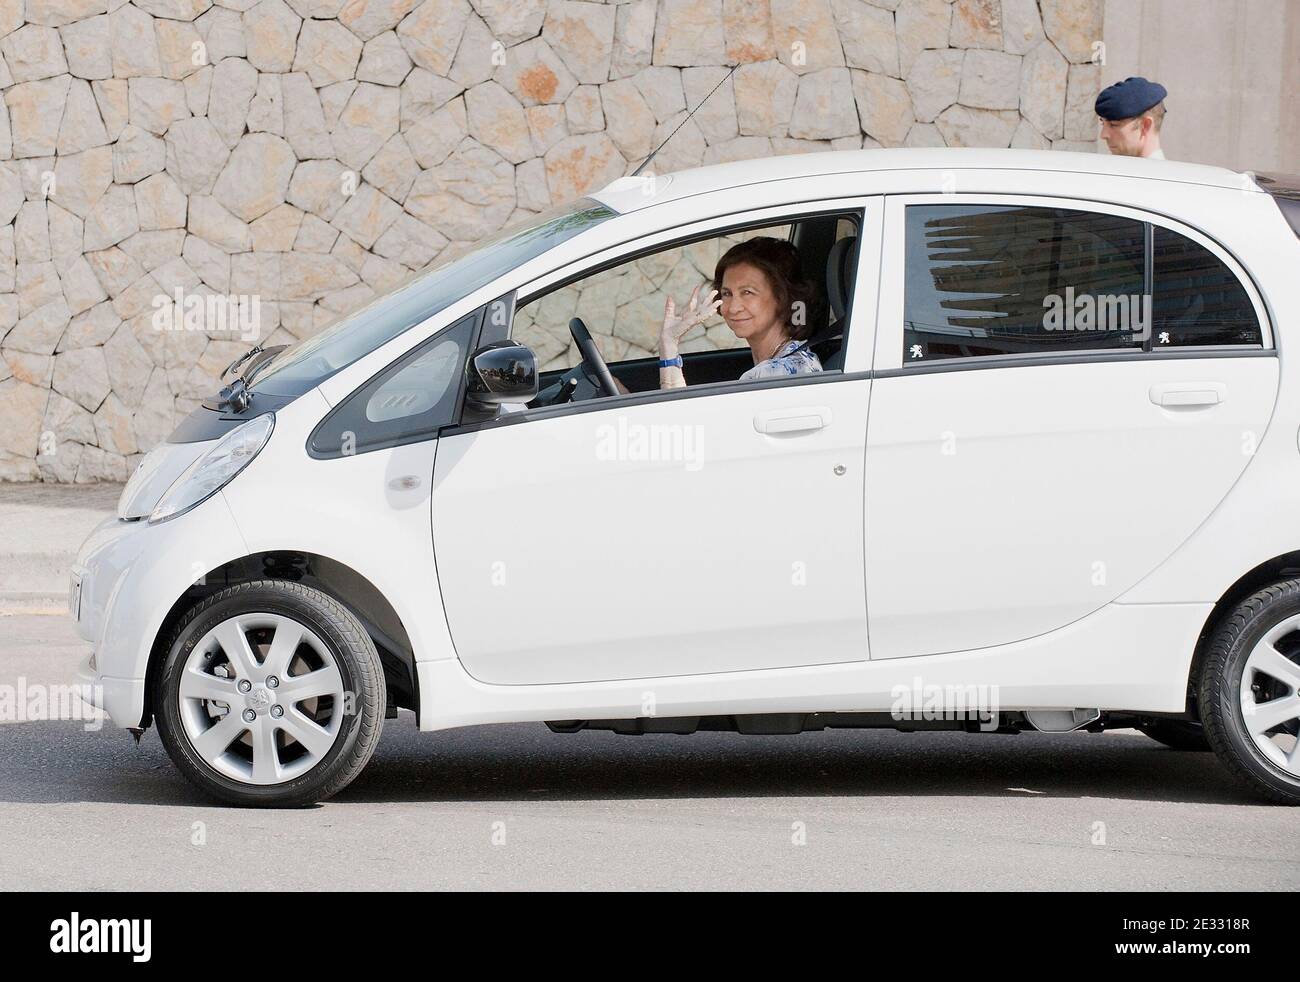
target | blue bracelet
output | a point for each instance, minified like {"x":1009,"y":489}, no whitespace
{"x":671,"y":362}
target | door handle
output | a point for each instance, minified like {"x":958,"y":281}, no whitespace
{"x":1188,"y":395}
{"x":801,"y":420}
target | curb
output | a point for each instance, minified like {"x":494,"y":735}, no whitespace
{"x":30,"y":602}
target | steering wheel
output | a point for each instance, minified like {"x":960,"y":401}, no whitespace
{"x":591,"y":357}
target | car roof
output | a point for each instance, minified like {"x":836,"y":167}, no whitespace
{"x":628,"y":193}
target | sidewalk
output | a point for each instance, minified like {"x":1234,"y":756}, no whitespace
{"x":41,"y":528}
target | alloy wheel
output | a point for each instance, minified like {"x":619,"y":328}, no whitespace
{"x":261,"y":698}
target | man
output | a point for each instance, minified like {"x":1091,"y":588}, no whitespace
{"x":1131,"y":112}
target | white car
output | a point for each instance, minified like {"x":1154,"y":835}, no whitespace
{"x":1046,"y":480}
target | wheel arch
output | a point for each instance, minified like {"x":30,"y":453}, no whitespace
{"x":340,"y":581}
{"x":1283,"y":567}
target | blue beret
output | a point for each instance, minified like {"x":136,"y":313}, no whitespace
{"x":1129,"y":98}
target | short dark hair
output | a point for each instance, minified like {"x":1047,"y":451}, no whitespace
{"x":778,"y":260}
{"x":1156,"y":112}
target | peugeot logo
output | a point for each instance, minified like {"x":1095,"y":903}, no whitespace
{"x":259,"y":700}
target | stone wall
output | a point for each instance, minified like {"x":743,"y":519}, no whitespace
{"x":303,"y":155}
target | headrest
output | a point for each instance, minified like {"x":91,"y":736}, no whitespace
{"x":839,"y":274}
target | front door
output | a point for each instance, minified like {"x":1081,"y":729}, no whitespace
{"x":716,"y":528}
{"x":669,"y":537}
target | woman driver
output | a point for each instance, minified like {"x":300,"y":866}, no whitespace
{"x":763,"y":297}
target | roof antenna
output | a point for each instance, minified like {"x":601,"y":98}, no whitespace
{"x":682,"y":123}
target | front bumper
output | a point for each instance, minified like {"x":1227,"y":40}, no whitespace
{"x":125,"y":581}
{"x":120,"y":699}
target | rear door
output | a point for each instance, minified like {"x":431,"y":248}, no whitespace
{"x":1038,"y":441}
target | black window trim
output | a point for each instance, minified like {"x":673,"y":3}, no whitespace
{"x":1171,"y":223}
{"x":615,"y":403}
{"x":1102,"y":355}
{"x":1149,"y":275}
{"x":990,"y":362}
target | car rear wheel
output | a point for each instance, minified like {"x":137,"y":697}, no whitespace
{"x":1249,"y":698}
{"x":271,"y":694}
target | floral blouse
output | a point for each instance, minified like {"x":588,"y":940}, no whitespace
{"x":792,"y":358}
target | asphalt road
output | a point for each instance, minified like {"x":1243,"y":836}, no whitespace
{"x":517,"y":807}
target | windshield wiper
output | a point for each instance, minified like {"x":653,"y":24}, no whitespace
{"x":254,"y":350}
{"x":236,"y":396}
{"x":268,"y":356}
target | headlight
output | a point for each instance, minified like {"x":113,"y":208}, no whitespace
{"x":156,"y":473}
{"x":139,"y":478}
{"x":216,"y":468}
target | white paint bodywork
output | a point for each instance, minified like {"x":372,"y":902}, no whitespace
{"x":669,"y":586}
{"x":999,"y":600}
{"x":984,"y":530}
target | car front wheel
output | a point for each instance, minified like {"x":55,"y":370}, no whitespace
{"x":1249,"y":699}
{"x":271,"y":694}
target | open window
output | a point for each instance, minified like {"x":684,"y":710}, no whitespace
{"x":622,"y":305}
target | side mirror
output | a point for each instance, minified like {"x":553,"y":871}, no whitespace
{"x":501,"y":373}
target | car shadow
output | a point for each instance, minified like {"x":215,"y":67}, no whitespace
{"x":59,"y":762}
{"x":527,"y":762}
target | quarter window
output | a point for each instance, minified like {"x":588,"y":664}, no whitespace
{"x":406,"y":402}
{"x":1197,"y":300}
{"x":1004,"y":279}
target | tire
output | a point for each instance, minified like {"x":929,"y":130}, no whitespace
{"x":282,"y":740}
{"x":1177,"y":734}
{"x":1239,"y":732}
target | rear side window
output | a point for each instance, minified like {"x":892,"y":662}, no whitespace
{"x":407,"y":402}
{"x":1196,"y":299}
{"x":986,"y":280}
{"x":1005,"y":279}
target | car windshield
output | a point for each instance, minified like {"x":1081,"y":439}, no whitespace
{"x":422,"y":295}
